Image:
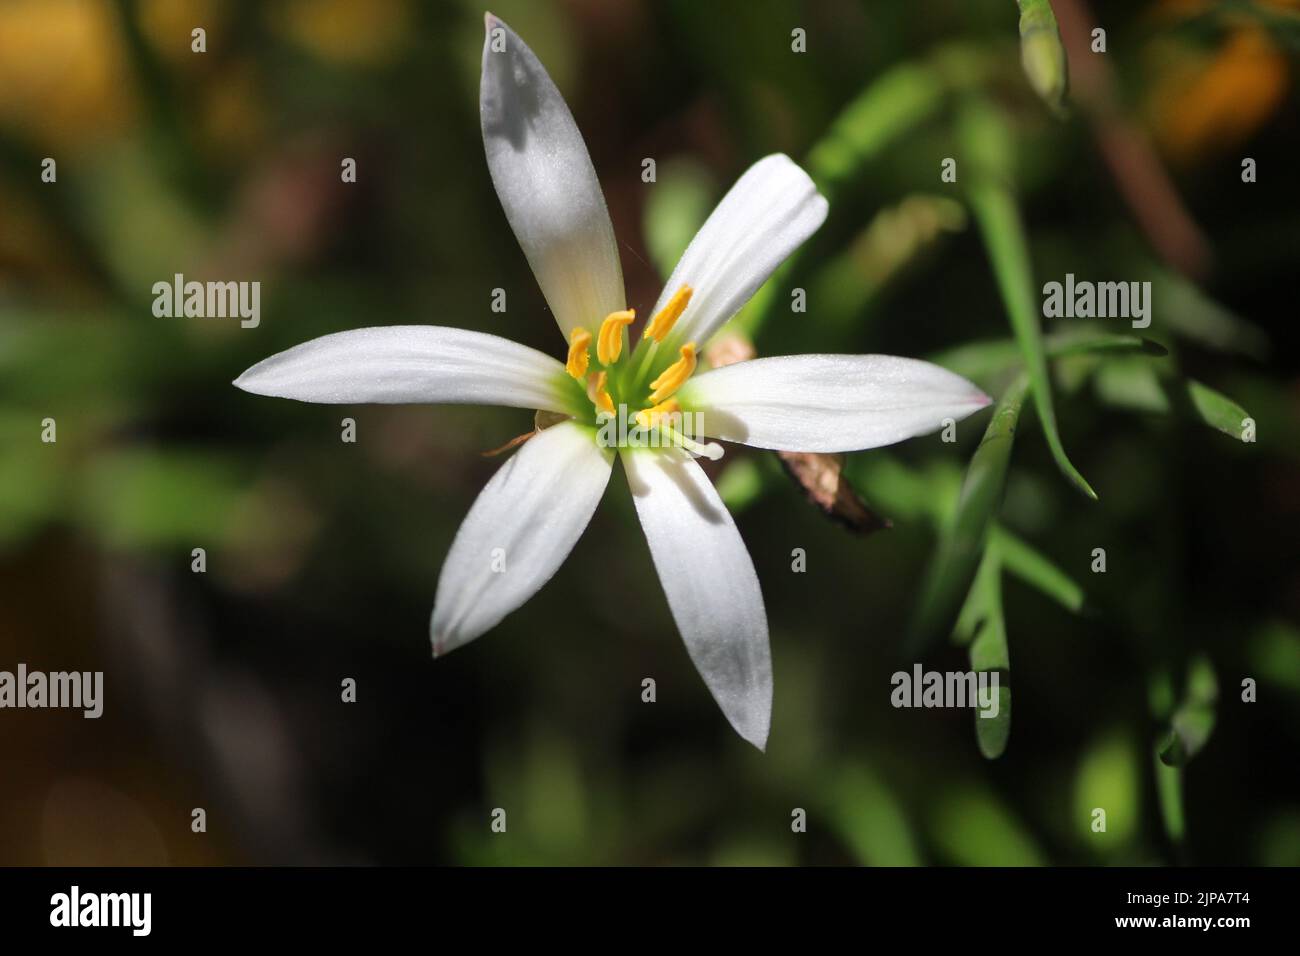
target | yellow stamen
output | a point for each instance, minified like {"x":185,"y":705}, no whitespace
{"x":609,"y":341}
{"x":658,"y":327}
{"x":600,"y":395}
{"x":674,"y":376}
{"x":576,"y":365}
{"x":648,"y":417}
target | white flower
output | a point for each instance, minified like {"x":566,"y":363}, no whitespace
{"x":539,"y":502}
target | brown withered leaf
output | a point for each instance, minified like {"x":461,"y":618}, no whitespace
{"x":822,"y":478}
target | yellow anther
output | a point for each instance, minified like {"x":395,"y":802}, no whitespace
{"x":648,"y":417}
{"x":576,"y":365}
{"x":600,"y":394}
{"x":609,"y":341}
{"x":664,"y":320}
{"x":674,"y":376}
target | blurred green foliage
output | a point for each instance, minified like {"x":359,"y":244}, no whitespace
{"x":322,"y":556}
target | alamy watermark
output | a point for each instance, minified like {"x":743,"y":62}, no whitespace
{"x":1098,"y":300}
{"x":75,"y":690}
{"x":675,"y":429}
{"x":920,"y":688}
{"x":208,"y":300}
{"x":75,"y":908}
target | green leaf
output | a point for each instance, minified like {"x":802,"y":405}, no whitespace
{"x":1169,"y":791}
{"x":981,"y":624}
{"x":989,"y":146}
{"x":973,"y":828}
{"x":1034,"y":568}
{"x":985,"y":360}
{"x":890,"y":107}
{"x":983,"y":627}
{"x":145,"y":499}
{"x":675,"y":209}
{"x":34,"y":476}
{"x":1189,"y":312}
{"x":871,"y":820}
{"x":895,"y":103}
{"x":903,"y":491}
{"x":1109,"y":778}
{"x":1187,"y":734}
{"x":1209,"y":407}
{"x":1138,"y":387}
{"x":740,"y":484}
{"x":961,"y":544}
{"x":850,"y":283}
{"x":1274,"y":654}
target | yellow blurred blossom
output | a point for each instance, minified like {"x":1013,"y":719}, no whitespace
{"x":1217,"y":100}
{"x":63,"y":74}
{"x":169,"y":26}
{"x":359,"y":32}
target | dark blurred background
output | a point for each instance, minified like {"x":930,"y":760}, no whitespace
{"x":223,"y":688}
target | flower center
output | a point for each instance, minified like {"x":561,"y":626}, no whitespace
{"x":638,"y":378}
{"x":622,"y":380}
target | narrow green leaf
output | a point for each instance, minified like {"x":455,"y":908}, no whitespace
{"x":972,"y":827}
{"x":1169,"y":791}
{"x":894,"y":104}
{"x":1189,"y":312}
{"x":988,"y":145}
{"x":890,"y":107}
{"x":871,"y":820}
{"x":907,"y":492}
{"x":961,"y":545}
{"x":850,"y":283}
{"x":983,"y":599}
{"x":173,"y":147}
{"x":1161,"y":700}
{"x":1034,"y":568}
{"x":1210,"y":407}
{"x":983,"y":626}
{"x":1138,"y":387}
{"x":984,"y":360}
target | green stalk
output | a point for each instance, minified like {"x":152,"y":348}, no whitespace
{"x":961,"y":545}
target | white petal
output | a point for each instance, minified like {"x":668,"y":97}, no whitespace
{"x":828,"y":402}
{"x":518,"y":532}
{"x":411,"y":364}
{"x":768,"y":214}
{"x":547,"y":185}
{"x":710,"y":583}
